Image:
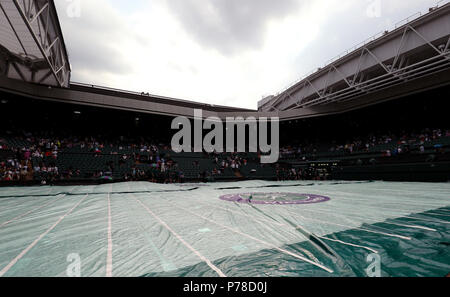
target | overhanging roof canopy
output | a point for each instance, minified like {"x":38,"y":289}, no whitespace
{"x":32,"y":47}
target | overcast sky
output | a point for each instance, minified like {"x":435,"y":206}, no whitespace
{"x":224,"y":52}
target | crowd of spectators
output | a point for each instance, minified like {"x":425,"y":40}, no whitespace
{"x":234,"y":161}
{"x":159,"y":169}
{"x":402,"y":143}
{"x":307,"y":173}
{"x":12,"y":169}
{"x":427,"y":140}
{"x":26,"y":156}
{"x":220,"y":164}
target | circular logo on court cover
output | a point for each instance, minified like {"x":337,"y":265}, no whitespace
{"x":275,"y":198}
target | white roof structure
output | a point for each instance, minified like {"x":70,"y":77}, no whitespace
{"x":415,"y":49}
{"x":32,"y":47}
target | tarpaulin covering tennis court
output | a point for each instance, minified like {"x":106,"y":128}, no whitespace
{"x":251,"y":228}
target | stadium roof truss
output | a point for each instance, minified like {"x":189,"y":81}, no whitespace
{"x":32,"y":47}
{"x":417,"y":49}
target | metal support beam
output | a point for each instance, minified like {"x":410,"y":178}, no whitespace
{"x":13,"y":29}
{"x":39,"y":17}
{"x":39,"y":13}
{"x":403,"y":48}
{"x":447,"y":46}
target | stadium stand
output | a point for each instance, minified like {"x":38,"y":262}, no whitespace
{"x":59,"y":159}
{"x":53,"y":142}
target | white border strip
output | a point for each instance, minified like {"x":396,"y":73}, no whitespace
{"x":348,"y":243}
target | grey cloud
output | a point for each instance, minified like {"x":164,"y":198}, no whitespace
{"x":95,"y":55}
{"x":231,"y":25}
{"x":91,"y":42}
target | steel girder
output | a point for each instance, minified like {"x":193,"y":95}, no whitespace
{"x":390,"y":72}
{"x":38,"y":53}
